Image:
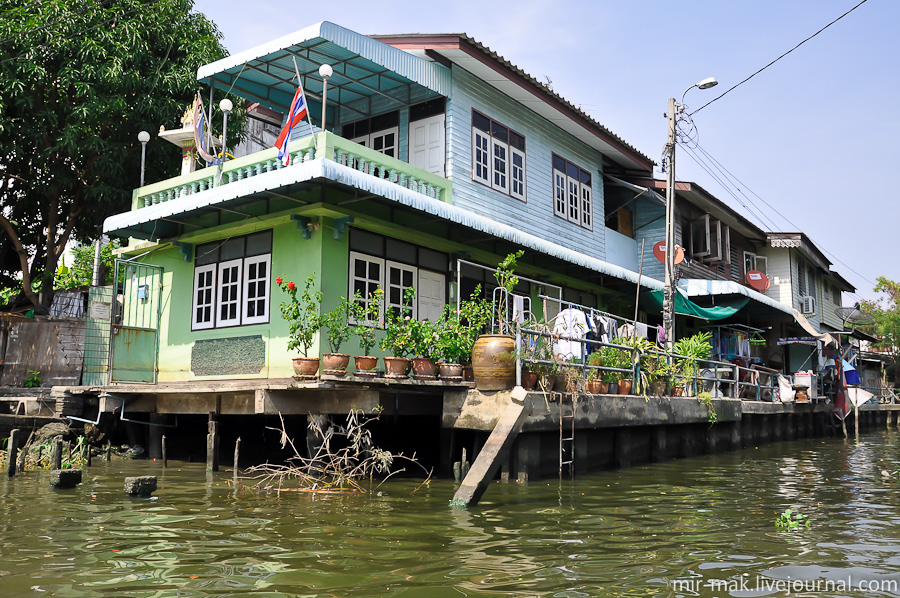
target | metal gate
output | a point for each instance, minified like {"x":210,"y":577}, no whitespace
{"x":134,"y":344}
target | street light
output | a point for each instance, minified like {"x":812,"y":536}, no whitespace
{"x":669,"y":294}
{"x":143,"y":137}
{"x":325,"y":71}
{"x":226,"y":107}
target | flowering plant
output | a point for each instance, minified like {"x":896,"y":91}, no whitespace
{"x":302,"y":314}
{"x":337,"y":324}
{"x":398,"y":327}
{"x":457,"y":330}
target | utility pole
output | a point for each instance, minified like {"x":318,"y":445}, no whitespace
{"x":669,"y":292}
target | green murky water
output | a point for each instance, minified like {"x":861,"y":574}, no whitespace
{"x":706,"y":524}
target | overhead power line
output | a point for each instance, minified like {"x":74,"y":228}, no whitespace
{"x":733,"y":87}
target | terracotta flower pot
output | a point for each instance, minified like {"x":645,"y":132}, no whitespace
{"x":423,"y":368}
{"x":306,"y":367}
{"x":335,"y":364}
{"x":396,"y":367}
{"x":492,"y":362}
{"x":596,"y":387}
{"x":529,"y":379}
{"x":450,"y":371}
{"x":365,"y":365}
{"x":625,"y":387}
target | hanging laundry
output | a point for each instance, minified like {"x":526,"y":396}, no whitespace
{"x":571,"y":325}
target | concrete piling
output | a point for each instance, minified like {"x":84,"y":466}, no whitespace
{"x":12,"y":453}
{"x":65,"y":478}
{"x":140,"y":486}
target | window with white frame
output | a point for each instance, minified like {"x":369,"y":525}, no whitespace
{"x":498,"y":156}
{"x":572,"y":193}
{"x":231,"y":282}
{"x":367,"y":273}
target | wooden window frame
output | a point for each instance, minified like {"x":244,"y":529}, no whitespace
{"x":496,"y":180}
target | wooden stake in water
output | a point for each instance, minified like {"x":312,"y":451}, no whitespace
{"x":12,"y":454}
{"x":165,"y":459}
{"x":237,"y":454}
{"x":56,"y":455}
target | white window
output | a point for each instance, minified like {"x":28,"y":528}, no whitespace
{"x":500,"y":164}
{"x":231,"y":282}
{"x":228,"y":297}
{"x":204,"y":297}
{"x":480,"y":157}
{"x":762,"y":264}
{"x":366,"y":275}
{"x":498,"y":156}
{"x":399,"y":278}
{"x":256,"y":289}
{"x":572,"y":193}
{"x":710,"y":241}
{"x":517,"y":173}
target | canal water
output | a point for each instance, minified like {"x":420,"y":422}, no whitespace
{"x":693,"y":527}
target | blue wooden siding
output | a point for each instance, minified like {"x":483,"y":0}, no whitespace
{"x":542,"y":138}
{"x":650,"y":227}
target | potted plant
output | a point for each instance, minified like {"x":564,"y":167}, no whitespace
{"x":365,"y":322}
{"x":423,"y":338}
{"x":456,"y":333}
{"x":304,"y":322}
{"x":617,"y":382}
{"x":493,"y":360}
{"x":638,"y":347}
{"x":337,"y":327}
{"x":397,"y":341}
{"x":689,"y":351}
{"x":595,"y":383}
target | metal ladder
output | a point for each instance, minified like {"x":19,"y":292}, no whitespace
{"x":567,"y":432}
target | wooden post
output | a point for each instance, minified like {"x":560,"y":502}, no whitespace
{"x":56,"y":454}
{"x":165,"y":458}
{"x":108,"y":450}
{"x":856,"y":421}
{"x":237,"y":454}
{"x":13,"y":448}
{"x":212,"y":443}
{"x":87,"y":453}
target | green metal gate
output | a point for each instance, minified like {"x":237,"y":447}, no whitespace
{"x":134,"y":344}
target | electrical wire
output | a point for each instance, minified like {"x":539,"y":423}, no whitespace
{"x":733,"y":87}
{"x":716,"y":165}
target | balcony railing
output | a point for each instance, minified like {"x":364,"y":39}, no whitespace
{"x":330,"y":147}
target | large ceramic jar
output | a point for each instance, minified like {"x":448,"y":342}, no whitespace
{"x":494,"y":362}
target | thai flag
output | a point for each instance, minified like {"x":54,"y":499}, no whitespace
{"x":297,"y":114}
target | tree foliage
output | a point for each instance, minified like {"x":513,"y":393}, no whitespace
{"x":78,"y":80}
{"x":886,"y":311}
{"x":81,"y":272}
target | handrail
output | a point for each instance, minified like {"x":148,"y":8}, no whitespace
{"x":323,"y":145}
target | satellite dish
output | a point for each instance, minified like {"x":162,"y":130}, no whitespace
{"x":659,"y":250}
{"x":758,"y":280}
{"x":855,"y":316}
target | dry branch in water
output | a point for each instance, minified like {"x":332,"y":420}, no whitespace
{"x":345,"y":461}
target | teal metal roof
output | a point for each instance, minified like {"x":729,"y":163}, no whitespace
{"x":363,"y":68}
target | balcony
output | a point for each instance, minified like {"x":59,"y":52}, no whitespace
{"x":327,"y":146}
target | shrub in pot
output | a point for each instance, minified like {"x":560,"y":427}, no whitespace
{"x":337,"y":328}
{"x":423,"y":344}
{"x":689,"y":351}
{"x":364,"y":314}
{"x":397,"y":341}
{"x":302,"y":315}
{"x":594,"y":378}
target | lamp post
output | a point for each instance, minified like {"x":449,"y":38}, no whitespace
{"x":669,"y":294}
{"x":226,"y":107}
{"x":143,"y":137}
{"x":325,"y":71}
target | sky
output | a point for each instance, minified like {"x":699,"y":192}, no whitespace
{"x":806,"y":145}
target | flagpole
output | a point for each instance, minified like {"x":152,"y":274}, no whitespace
{"x":209,"y":136}
{"x":303,"y":93}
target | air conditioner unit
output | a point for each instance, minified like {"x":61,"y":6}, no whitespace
{"x":807,"y":305}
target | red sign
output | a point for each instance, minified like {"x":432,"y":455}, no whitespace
{"x":758,"y":280}
{"x":659,"y":250}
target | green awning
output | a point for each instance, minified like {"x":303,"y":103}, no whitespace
{"x":686,"y":307}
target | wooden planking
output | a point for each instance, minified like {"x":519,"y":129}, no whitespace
{"x":542,"y":138}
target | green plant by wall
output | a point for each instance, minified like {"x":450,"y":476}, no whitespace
{"x":337,"y":324}
{"x":791,"y":520}
{"x":365,"y":318}
{"x":301,"y":314}
{"x":506,"y":280}
{"x":690,"y":350}
{"x":398,"y":341}
{"x":706,"y":399}
{"x":33,"y":379}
